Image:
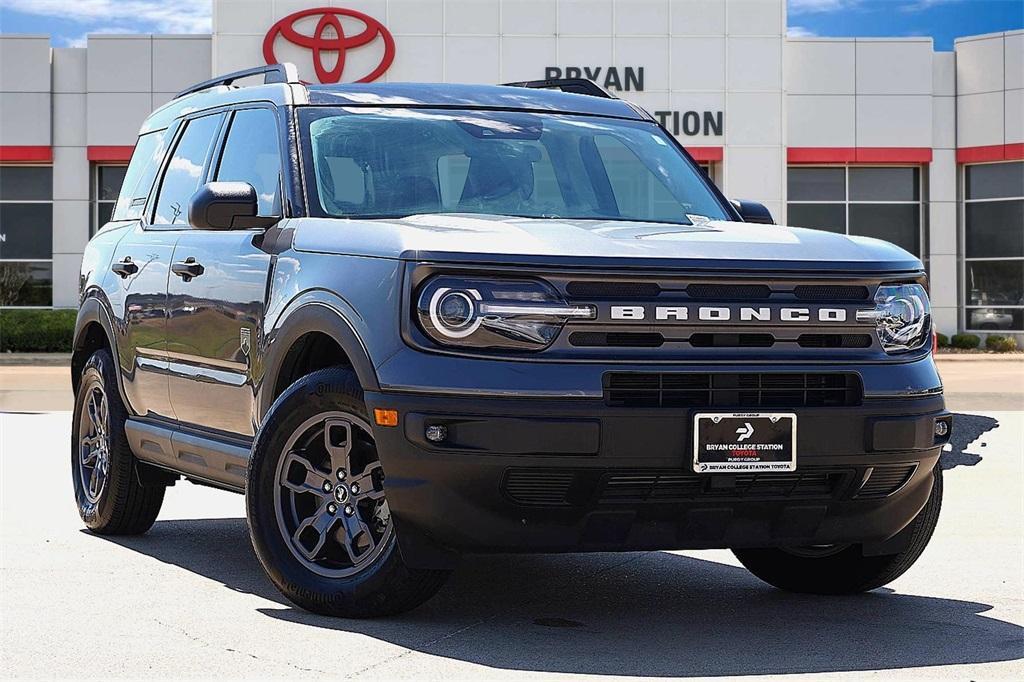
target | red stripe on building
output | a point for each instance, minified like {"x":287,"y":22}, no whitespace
{"x":797,"y":155}
{"x":992,"y":152}
{"x":706,"y":153}
{"x":25,"y":154}
{"x":110,"y":153}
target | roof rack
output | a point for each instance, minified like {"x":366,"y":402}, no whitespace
{"x":579,"y":86}
{"x":273,"y":73}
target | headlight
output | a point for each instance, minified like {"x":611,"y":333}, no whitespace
{"x":494,"y":313}
{"x":902,"y":317}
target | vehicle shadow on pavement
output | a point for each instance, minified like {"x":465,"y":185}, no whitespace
{"x":641,"y":613}
{"x":967,"y":428}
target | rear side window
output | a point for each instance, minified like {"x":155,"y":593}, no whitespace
{"x":138,"y":179}
{"x":185,"y":171}
{"x":252,"y":154}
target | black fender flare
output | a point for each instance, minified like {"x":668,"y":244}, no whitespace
{"x":317,"y":315}
{"x":94,"y":309}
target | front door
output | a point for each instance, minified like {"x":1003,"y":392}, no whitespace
{"x":218,"y":289}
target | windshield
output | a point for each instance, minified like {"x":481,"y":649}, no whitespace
{"x":391,"y":162}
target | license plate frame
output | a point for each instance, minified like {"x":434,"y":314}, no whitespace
{"x":731,"y":451}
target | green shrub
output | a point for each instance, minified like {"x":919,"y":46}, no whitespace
{"x":36,"y":331}
{"x":1000,"y":343}
{"x":943,"y":340}
{"x":966,"y":341}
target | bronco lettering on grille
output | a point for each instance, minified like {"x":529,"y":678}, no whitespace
{"x":727,"y":314}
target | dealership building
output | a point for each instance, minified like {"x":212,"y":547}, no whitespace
{"x":884,"y":137}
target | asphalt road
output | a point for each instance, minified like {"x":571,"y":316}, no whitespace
{"x":190,"y":600}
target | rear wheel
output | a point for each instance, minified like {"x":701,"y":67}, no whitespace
{"x":843,"y":569}
{"x":111,"y":498}
{"x":317,"y":508}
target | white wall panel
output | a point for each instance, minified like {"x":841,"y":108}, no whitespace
{"x":237,"y":52}
{"x":480,"y":63}
{"x":753,"y":173}
{"x":24,"y":63}
{"x":651,"y":53}
{"x":69,"y":120}
{"x":979,"y":65}
{"x":821,"y":121}
{"x":641,"y":17}
{"x":415,"y":17}
{"x":755,"y":118}
{"x":524,"y":58}
{"x":754,"y":64}
{"x":894,"y":121}
{"x":942,"y":223}
{"x":179,"y":62}
{"x":979,"y":119}
{"x":697,"y":18}
{"x":69,"y":69}
{"x":25,"y":117}
{"x":942,"y":175}
{"x":820,"y":67}
{"x":1013,"y":116}
{"x":242,"y":16}
{"x":471,"y":17}
{"x":120,"y":64}
{"x":420,"y":59}
{"x":894,"y":68}
{"x":70,"y":226}
{"x":66,"y":269}
{"x":70,"y":173}
{"x":944,"y":73}
{"x":698,"y":63}
{"x":577,"y":51}
{"x":115,"y":118}
{"x":584,"y":17}
{"x":754,"y":17}
{"x":528,"y":17}
{"x":378,"y":9}
{"x":1013,"y":57}
{"x":944,"y":122}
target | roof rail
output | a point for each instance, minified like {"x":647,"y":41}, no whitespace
{"x":274,"y":73}
{"x":579,"y":86}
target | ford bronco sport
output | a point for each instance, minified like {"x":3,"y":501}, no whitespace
{"x":413,"y":321}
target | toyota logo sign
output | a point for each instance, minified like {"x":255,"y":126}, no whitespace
{"x":329,"y":37}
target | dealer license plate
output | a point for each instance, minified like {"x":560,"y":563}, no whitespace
{"x":738,"y":442}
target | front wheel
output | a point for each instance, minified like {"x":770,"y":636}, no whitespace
{"x":316,"y":506}
{"x":843,"y":569}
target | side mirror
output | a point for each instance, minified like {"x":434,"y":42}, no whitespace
{"x":753,"y":212}
{"x":227,"y":206}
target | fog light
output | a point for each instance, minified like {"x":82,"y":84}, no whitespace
{"x":941,"y":429}
{"x":436,"y":433}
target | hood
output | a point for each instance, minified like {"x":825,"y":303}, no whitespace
{"x":474,"y":238}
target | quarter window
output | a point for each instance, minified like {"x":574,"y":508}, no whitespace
{"x":882,"y":202}
{"x":185,"y":171}
{"x":994,"y":246}
{"x":26,"y":236}
{"x":251,"y":154}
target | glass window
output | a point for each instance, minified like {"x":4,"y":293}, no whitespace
{"x":107,"y":181}
{"x":185,"y":171}
{"x":884,"y":202}
{"x":26,"y":284}
{"x":26,"y":235}
{"x":252,"y":154}
{"x":139,"y":176}
{"x":994,"y":246}
{"x":397,"y":162}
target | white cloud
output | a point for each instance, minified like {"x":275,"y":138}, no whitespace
{"x":158,"y":16}
{"x":800,"y":32}
{"x":819,"y":6}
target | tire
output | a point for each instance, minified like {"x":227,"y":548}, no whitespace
{"x":111,"y":499}
{"x":330,"y":550}
{"x":843,"y":570}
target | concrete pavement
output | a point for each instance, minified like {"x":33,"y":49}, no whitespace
{"x":189,"y":599}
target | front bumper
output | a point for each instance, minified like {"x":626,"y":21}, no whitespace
{"x":552,"y":475}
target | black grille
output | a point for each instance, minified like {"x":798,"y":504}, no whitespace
{"x":732,"y":390}
{"x":538,"y":486}
{"x":604,"y":290}
{"x":732,"y":340}
{"x":617,"y":339}
{"x":729,"y":292}
{"x":671,"y":486}
{"x":884,"y":481}
{"x":831,"y":292}
{"x":834,"y":341}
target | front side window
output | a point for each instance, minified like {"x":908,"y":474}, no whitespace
{"x":185,"y":171}
{"x":399,"y":162}
{"x":994,"y":246}
{"x":251,"y":154}
{"x":884,"y":202}
{"x":26,"y":236}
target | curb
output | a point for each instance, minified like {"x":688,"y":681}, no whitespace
{"x":979,"y":357}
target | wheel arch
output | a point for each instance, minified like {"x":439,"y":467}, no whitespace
{"x":310,"y":336}
{"x":93,"y":332}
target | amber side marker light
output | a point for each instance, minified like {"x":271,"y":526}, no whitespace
{"x":385,"y":417}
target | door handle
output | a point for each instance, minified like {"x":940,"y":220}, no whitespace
{"x":125,"y":267}
{"x":187,"y":269}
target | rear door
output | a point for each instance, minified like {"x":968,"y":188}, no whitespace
{"x":217,"y":302}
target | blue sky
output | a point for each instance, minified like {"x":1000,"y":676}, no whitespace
{"x":69,"y":21}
